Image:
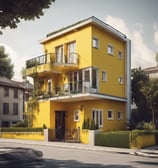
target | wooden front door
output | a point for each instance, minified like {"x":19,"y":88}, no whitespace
{"x":60,"y":124}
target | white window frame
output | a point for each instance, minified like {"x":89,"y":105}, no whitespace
{"x":112,"y":115}
{"x":104,"y":76}
{"x":110,"y":49}
{"x":49,"y":85}
{"x":120,"y":80}
{"x":97,"y":114}
{"x":76,"y":115}
{"x":120,"y":55}
{"x":119,"y":115}
{"x":95,"y":42}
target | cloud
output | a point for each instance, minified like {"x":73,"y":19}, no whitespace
{"x":16,"y":60}
{"x":156,"y":35}
{"x":141,"y":54}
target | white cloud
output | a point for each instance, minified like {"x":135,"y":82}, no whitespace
{"x":156,"y":35}
{"x":16,"y":60}
{"x":141,"y":54}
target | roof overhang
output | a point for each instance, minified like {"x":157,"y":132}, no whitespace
{"x":84,"y":97}
{"x":91,"y":20}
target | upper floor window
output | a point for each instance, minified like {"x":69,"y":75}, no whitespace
{"x":5,"y":108}
{"x":120,"y":80}
{"x":120,"y":55}
{"x":59,"y":54}
{"x":15,"y":108}
{"x":119,"y":115}
{"x":110,"y":114}
{"x":110,"y":49}
{"x":6,"y":92}
{"x":95,"y":43}
{"x":104,"y":76}
{"x":72,"y":57}
{"x":97,"y":116}
{"x":15,"y":92}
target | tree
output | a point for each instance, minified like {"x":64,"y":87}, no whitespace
{"x":150,"y":90}
{"x":138,"y":80}
{"x":13,"y":11}
{"x":6,"y":67}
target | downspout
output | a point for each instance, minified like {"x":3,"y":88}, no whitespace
{"x":128,"y":87}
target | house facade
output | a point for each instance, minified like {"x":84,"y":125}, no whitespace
{"x":83,"y":75}
{"x":11,"y":102}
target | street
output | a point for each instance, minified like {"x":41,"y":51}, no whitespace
{"x":71,"y":158}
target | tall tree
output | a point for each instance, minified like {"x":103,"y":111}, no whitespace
{"x":139,"y":79}
{"x":13,"y":11}
{"x":150,"y":90}
{"x":6,"y":67}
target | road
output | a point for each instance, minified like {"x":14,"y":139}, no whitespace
{"x":73,"y":158}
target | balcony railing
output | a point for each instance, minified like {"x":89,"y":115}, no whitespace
{"x":74,"y":87}
{"x":54,"y":58}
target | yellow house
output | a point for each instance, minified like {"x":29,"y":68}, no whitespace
{"x":83,"y":75}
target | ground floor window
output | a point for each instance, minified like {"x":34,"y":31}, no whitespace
{"x":97,"y":116}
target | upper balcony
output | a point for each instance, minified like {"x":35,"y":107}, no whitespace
{"x":52,"y":62}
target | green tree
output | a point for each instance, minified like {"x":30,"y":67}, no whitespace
{"x":6,"y":67}
{"x":13,"y":11}
{"x":138,"y":80}
{"x":150,"y":90}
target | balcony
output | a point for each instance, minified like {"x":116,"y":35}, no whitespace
{"x":52,"y":62}
{"x":68,"y":90}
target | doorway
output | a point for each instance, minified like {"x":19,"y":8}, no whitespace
{"x":60,"y":124}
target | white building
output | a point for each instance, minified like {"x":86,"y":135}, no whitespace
{"x":12,"y":97}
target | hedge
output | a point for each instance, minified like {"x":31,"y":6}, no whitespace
{"x":113,"y":139}
{"x":18,"y":129}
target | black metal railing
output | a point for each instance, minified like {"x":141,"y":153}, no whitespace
{"x":55,"y":58}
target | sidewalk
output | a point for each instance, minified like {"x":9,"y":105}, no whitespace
{"x":149,"y":152}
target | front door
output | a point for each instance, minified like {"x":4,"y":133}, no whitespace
{"x":60,"y":124}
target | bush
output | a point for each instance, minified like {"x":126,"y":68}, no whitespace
{"x":18,"y":129}
{"x":145,"y":126}
{"x":113,"y":139}
{"x":21,"y":124}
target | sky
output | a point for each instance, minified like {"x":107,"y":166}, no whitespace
{"x":137,"y":19}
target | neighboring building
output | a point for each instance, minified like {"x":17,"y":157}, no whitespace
{"x":12,"y":97}
{"x":152,"y":71}
{"x":84,"y":74}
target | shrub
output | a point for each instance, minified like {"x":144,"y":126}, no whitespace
{"x":18,"y":129}
{"x":113,"y":139}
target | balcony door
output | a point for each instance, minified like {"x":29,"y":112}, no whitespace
{"x":59,"y":54}
{"x":72,"y":57}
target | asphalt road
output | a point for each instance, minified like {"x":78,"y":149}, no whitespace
{"x":56,"y":157}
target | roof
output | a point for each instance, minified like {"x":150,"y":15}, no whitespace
{"x":15,"y":84}
{"x":92,"y":20}
{"x":151,"y":69}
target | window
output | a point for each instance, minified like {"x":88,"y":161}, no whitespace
{"x":97,"y":116}
{"x":59,"y":54}
{"x":5,"y":124}
{"x":95,"y":43}
{"x":120,"y":80}
{"x":104,"y":76}
{"x":110,"y":114}
{"x":120,"y":55}
{"x":76,"y":115}
{"x":119,"y":115}
{"x":110,"y":49}
{"x":49,"y":85}
{"x":5,"y":108}
{"x":72,"y":57}
{"x":15,"y":92}
{"x":15,"y":108}
{"x":6,"y":92}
